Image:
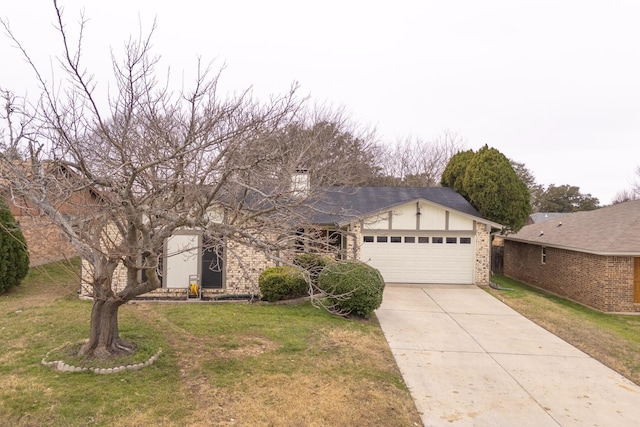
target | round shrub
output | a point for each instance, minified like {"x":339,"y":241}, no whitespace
{"x":313,"y":263}
{"x":14,"y":258}
{"x":280,"y":283}
{"x":353,"y":287}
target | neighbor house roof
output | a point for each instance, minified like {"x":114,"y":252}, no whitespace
{"x":537,"y":217}
{"x":612,"y":230}
{"x":340,"y":204}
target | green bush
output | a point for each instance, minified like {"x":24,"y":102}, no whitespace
{"x":313,"y":263}
{"x":14,"y":258}
{"x":280,"y":283}
{"x":353,"y":287}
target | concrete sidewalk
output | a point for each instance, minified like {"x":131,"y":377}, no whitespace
{"x":470,"y":360}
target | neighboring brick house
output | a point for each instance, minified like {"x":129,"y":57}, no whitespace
{"x":497,"y":244}
{"x":45,"y":241}
{"x":412,"y":235}
{"x":590,"y":257}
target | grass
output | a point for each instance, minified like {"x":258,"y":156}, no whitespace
{"x":222,"y":364}
{"x":613,"y":339}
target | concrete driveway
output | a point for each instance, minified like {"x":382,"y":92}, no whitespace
{"x":470,"y":360}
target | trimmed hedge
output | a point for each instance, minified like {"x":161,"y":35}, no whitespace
{"x":359,"y":284}
{"x":313,"y":263}
{"x":280,"y":283}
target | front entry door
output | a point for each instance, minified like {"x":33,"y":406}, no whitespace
{"x":212,"y":262}
{"x":636,"y":280}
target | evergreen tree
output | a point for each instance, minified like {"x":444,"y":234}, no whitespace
{"x":489,"y":182}
{"x":453,"y":174}
{"x":14,"y":258}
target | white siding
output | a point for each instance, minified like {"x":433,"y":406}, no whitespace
{"x":459,"y":222}
{"x":404,"y":217}
{"x":378,"y":222}
{"x":432,"y":218}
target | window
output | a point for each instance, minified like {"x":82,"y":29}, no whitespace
{"x":409,"y":239}
{"x":381,"y":239}
{"x":544,"y":255}
{"x":299,"y":242}
{"x":335,"y":240}
{"x":368,"y":239}
{"x":396,"y":239}
{"x":465,"y":240}
{"x":423,"y":239}
{"x":436,"y":240}
{"x":452,"y":240}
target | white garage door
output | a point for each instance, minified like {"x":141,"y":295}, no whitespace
{"x":420,"y":259}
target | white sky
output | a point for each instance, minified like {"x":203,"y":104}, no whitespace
{"x":554,"y":84}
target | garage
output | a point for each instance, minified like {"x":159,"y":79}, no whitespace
{"x":420,"y":258}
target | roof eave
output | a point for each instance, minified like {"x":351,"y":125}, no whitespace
{"x":420,"y":199}
{"x":576,"y":249}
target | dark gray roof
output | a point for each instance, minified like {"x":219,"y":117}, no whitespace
{"x":613,"y":230}
{"x":339,"y":204}
{"x":538,"y":217}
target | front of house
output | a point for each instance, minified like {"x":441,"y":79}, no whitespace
{"x":590,"y":257}
{"x":412,"y":235}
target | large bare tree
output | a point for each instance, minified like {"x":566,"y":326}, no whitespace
{"x":632,"y":193}
{"x":144,"y":161}
{"x":414,"y":162}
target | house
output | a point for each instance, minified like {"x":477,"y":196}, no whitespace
{"x":591,"y":257}
{"x":45,"y":241}
{"x":412,"y":235}
{"x":497,"y":243}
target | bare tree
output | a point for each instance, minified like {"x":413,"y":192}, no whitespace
{"x":13,"y":133}
{"x":149,"y":162}
{"x":636,"y":184}
{"x":632,"y":193}
{"x":625,"y":196}
{"x":418,"y":163}
{"x":536,"y":190}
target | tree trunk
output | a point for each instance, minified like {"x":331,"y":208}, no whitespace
{"x":104,"y":340}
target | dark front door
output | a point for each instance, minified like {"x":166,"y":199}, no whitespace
{"x":212,"y":262}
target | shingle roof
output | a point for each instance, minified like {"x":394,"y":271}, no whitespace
{"x":612,"y":230}
{"x":342,"y":203}
{"x":545,"y":216}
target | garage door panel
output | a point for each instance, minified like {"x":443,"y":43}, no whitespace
{"x":421,"y":263}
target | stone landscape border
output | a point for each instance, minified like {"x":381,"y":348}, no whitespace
{"x":59,"y":365}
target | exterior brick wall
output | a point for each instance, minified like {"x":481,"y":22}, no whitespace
{"x":45,"y":241}
{"x":483,"y":254}
{"x":354,"y":239}
{"x":119,"y":279}
{"x":243,"y":265}
{"x":601,"y":282}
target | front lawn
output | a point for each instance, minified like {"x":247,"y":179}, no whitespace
{"x":222,"y":364}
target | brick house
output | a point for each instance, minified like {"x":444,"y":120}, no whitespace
{"x":412,"y":235}
{"x":590,"y":257}
{"x":45,"y":241}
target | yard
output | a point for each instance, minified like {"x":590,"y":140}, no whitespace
{"x":222,"y":364}
{"x":610,"y":338}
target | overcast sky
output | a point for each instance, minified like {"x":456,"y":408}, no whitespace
{"x":554,"y":84}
